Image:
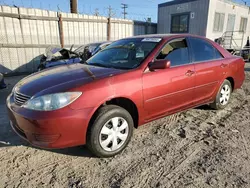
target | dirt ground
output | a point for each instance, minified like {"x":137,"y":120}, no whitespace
{"x":197,"y":148}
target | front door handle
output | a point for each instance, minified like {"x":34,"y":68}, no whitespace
{"x":223,"y":65}
{"x":189,"y":73}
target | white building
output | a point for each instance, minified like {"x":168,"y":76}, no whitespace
{"x":209,"y":18}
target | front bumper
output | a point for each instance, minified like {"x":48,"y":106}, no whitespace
{"x":55,"y":129}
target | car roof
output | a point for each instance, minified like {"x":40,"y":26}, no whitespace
{"x":164,"y":36}
{"x":154,"y":36}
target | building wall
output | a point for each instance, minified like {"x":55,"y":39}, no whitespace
{"x":197,"y":25}
{"x":142,"y":28}
{"x":227,"y":7}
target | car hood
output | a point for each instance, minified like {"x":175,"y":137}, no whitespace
{"x":62,"y":78}
{"x":62,"y":62}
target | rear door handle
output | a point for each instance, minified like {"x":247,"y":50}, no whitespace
{"x":223,"y":65}
{"x":189,"y":73}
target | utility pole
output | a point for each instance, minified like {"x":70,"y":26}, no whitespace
{"x":124,"y":7}
{"x":73,"y":6}
{"x":110,"y":14}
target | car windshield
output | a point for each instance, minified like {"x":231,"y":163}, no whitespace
{"x":124,"y":54}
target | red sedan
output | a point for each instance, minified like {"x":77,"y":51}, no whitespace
{"x":131,"y":82}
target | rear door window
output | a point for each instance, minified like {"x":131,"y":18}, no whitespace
{"x":203,"y":50}
{"x":176,"y":51}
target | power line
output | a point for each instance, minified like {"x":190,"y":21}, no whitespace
{"x":110,"y":12}
{"x":124,"y":7}
{"x":96,"y":13}
{"x":144,"y":6}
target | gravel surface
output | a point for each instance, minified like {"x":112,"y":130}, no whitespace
{"x":197,"y":148}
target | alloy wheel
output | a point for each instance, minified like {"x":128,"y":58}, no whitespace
{"x":225,"y":94}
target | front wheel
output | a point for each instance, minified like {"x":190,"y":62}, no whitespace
{"x":223,"y":96}
{"x":110,"y":131}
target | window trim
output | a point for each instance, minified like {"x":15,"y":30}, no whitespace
{"x":205,"y":61}
{"x":246,"y":23}
{"x":171,"y":40}
{"x":220,"y":13}
{"x":180,"y":14}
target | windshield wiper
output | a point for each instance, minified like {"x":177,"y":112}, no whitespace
{"x":105,"y":66}
{"x":100,"y":65}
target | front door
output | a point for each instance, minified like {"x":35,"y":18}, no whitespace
{"x":171,"y":89}
{"x":230,"y":22}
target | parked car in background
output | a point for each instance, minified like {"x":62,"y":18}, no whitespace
{"x":131,"y":82}
{"x":55,"y":56}
{"x":2,"y":83}
{"x":243,"y":53}
{"x":228,"y":42}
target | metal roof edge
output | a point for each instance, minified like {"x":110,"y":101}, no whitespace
{"x":174,"y":2}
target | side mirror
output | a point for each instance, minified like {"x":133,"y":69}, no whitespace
{"x":159,"y":64}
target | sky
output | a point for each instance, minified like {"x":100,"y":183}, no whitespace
{"x":137,"y":9}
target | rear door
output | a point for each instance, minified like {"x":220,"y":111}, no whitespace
{"x":210,"y":68}
{"x":169,"y":89}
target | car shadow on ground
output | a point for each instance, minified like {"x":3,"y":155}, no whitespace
{"x":204,"y":107}
{"x":12,"y":139}
{"x":79,"y":151}
{"x":8,"y":138}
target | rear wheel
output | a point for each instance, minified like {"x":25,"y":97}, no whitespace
{"x":110,"y":131}
{"x":223,"y":96}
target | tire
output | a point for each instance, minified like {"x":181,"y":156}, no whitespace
{"x":220,"y":102}
{"x":112,"y":124}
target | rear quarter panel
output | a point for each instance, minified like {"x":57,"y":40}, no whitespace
{"x":237,"y":70}
{"x":234,"y":70}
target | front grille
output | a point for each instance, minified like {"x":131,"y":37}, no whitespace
{"x":20,"y":99}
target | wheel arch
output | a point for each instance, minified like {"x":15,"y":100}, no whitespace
{"x":123,"y":102}
{"x":231,"y":80}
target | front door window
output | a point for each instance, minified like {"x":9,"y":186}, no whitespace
{"x":176,"y":52}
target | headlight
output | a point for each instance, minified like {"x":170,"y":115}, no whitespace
{"x":52,"y":101}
